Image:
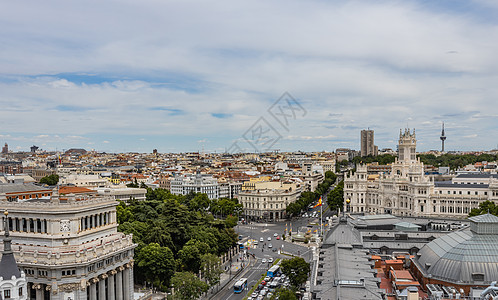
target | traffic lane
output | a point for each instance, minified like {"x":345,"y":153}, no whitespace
{"x":253,"y":274}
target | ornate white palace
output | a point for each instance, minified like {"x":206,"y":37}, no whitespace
{"x":407,"y":191}
{"x":69,"y":248}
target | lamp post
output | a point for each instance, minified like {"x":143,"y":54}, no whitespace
{"x":347,"y":206}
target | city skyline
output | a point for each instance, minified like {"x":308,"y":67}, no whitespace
{"x":188,"y":76}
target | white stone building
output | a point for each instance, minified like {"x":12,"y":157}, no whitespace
{"x":69,"y":248}
{"x":268,"y":200}
{"x":407,"y":191}
{"x":196,"y":183}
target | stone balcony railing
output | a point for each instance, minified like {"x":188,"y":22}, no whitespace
{"x":69,"y":255}
{"x":56,"y":206}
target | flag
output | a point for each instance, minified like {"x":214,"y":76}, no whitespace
{"x":319,"y":203}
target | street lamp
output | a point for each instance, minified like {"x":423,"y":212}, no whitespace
{"x":344,"y":208}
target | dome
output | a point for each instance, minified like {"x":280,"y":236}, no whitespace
{"x":467,"y":256}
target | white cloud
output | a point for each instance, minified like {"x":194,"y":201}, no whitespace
{"x":351,"y":64}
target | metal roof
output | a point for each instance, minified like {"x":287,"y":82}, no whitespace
{"x":479,"y":175}
{"x":460,"y":185}
{"x":343,"y":233}
{"x":21,"y":188}
{"x":457,"y":255}
{"x":485,"y":218}
{"x":346,"y":274}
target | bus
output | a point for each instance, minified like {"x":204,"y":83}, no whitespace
{"x":273,"y":271}
{"x":240,"y":285}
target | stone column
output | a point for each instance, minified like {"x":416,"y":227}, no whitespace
{"x":102,"y":287}
{"x":110,"y":285}
{"x":93,"y":290}
{"x":40,"y":295}
{"x":126,"y":284}
{"x":119,"y":284}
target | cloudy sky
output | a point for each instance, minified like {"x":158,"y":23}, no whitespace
{"x":190,"y":75}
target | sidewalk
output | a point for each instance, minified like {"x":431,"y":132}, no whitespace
{"x":230,"y":273}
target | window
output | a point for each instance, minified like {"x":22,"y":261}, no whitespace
{"x":6,"y":294}
{"x":20,"y":291}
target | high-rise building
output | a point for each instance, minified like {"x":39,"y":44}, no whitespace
{"x":5,"y":149}
{"x":367,"y":143}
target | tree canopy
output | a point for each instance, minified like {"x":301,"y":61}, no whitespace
{"x":50,"y":179}
{"x":484,"y":208}
{"x":335,"y":199}
{"x":175,"y":233}
{"x":307,"y":197}
{"x":297,"y":269}
{"x":188,"y":286}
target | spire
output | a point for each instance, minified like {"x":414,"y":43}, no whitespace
{"x":8,"y":265}
{"x":7,"y":249}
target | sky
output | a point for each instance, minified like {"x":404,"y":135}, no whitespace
{"x":215,"y":76}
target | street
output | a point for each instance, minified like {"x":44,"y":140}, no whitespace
{"x":255,"y":231}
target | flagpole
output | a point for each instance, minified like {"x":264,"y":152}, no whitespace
{"x":321,"y":221}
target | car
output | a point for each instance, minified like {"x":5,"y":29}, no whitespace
{"x":261,"y":240}
{"x":269,"y":238}
{"x":255,"y":242}
{"x":278,"y":237}
{"x":263,"y":283}
{"x":254,"y":295}
{"x":270,"y":260}
{"x":270,"y":245}
{"x":267,"y":278}
{"x":264,"y":260}
{"x":275,"y":234}
{"x":262,"y":292}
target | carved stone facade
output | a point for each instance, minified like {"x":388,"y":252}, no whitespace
{"x":69,"y":248}
{"x":407,"y":191}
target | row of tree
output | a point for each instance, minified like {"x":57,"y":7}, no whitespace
{"x":308,"y":198}
{"x":454,"y":161}
{"x":335,"y":199}
{"x":484,"y":208}
{"x":178,"y":237}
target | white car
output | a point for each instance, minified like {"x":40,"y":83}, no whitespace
{"x":270,"y":245}
{"x":275,"y":234}
{"x":270,"y":260}
{"x":263,"y":261}
{"x":269,"y":238}
{"x":261,"y":240}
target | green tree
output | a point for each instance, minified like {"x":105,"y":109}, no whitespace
{"x":297,"y":269}
{"x":335,"y":199}
{"x":190,"y":255}
{"x":331,"y":175}
{"x":231,"y":221}
{"x":123,"y":213}
{"x":157,"y":264}
{"x":50,"y":179}
{"x":284,"y":294}
{"x":210,"y":268}
{"x":187,"y":286}
{"x":484,"y":208}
